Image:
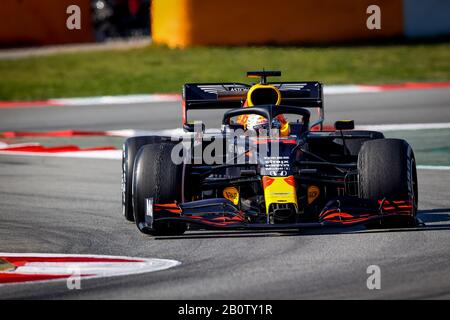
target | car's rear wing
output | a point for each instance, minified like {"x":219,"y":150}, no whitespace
{"x":197,"y":96}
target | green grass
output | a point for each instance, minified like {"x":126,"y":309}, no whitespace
{"x":160,"y":69}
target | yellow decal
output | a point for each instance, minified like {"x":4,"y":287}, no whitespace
{"x":232,"y":194}
{"x":279,"y":190}
{"x":313,"y":193}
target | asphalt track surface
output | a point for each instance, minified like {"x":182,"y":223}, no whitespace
{"x":54,"y":205}
{"x":366,"y":108}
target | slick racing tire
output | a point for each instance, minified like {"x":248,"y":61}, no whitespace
{"x":387,"y":170}
{"x":130,"y":149}
{"x":156,"y":176}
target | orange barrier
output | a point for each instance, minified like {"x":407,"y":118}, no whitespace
{"x":41,"y":22}
{"x":181,"y":23}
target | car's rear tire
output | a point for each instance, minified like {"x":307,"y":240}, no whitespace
{"x":131,"y":147}
{"x":387,"y":170}
{"x":156,"y":176}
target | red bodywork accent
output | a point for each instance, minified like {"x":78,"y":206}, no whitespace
{"x":326,"y":127}
{"x":267,"y":181}
{"x":290,"y":180}
{"x":401,"y":207}
{"x":183,"y":111}
{"x":387,"y":208}
{"x":285,"y":141}
{"x":170,"y":207}
{"x":218,"y":221}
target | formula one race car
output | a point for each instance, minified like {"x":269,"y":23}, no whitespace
{"x":268,"y":167}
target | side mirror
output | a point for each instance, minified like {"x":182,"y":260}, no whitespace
{"x":195,"y":126}
{"x":344,"y":125}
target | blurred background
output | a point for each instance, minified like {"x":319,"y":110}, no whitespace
{"x":181,"y":23}
{"x":120,"y":18}
{"x":154,"y":46}
{"x":43,"y":22}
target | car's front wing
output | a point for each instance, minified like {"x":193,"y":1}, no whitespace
{"x":223,"y":214}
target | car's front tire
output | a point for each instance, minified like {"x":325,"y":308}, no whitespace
{"x":131,"y":147}
{"x":387,"y":170}
{"x":156,"y":176}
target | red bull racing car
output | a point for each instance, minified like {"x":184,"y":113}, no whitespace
{"x":270,"y":166}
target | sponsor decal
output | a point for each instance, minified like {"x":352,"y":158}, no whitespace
{"x":232,"y":194}
{"x":277,"y":166}
{"x":313,"y":193}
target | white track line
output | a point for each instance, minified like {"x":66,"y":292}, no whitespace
{"x":349,"y":89}
{"x":107,"y":100}
{"x":133,"y":133}
{"x":404,"y":126}
{"x":426,"y":167}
